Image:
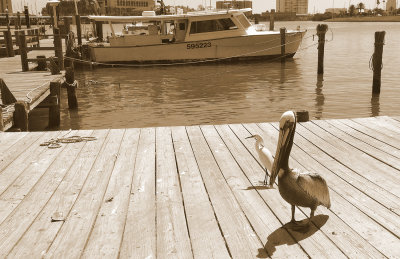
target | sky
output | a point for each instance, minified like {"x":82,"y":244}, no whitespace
{"x":258,"y":5}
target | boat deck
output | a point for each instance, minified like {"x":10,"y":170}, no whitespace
{"x":197,"y":192}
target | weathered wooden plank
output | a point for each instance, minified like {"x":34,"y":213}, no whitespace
{"x":72,"y":237}
{"x":24,"y":160}
{"x":40,"y":235}
{"x":205,"y":236}
{"x":340,"y":151}
{"x":380,"y":126}
{"x":22,"y":217}
{"x":277,"y":241}
{"x":345,"y":198}
{"x":106,"y":236}
{"x":172,"y":231}
{"x":11,"y":153}
{"x":376,"y":153}
{"x":8,"y":140}
{"x":240,"y":238}
{"x":22,"y":185}
{"x":139,"y":239}
{"x":365,"y":138}
{"x":372,"y":132}
{"x":394,"y":123}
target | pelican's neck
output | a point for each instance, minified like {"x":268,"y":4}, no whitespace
{"x":285,"y":155}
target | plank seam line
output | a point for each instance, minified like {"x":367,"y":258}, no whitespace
{"x":209,"y":198}
{"x":25,"y":168}
{"x":368,"y":128}
{"x":106,"y":140}
{"x":66,"y":173}
{"x":22,"y":151}
{"x":180,"y":188}
{"x":398,"y":169}
{"x":104,"y":193}
{"x":337,"y":160}
{"x":349,"y":201}
{"x":130,"y":193}
{"x":345,"y":123}
{"x":232,"y":192}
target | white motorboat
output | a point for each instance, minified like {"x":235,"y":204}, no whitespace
{"x":215,"y":36}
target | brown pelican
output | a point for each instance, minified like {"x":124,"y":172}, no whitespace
{"x":302,"y":189}
{"x":264,"y":154}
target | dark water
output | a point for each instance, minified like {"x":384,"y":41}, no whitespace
{"x":244,"y":92}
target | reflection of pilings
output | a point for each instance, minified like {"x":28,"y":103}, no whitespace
{"x":283,"y":72}
{"x":319,"y":97}
{"x":375,"y":105}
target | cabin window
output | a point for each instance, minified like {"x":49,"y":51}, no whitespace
{"x":212,"y":25}
{"x":243,"y":20}
{"x":181,"y":26}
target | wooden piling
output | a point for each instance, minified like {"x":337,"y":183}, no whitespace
{"x":58,"y":48}
{"x":21,"y":115}
{"x":54,"y":98}
{"x":9,"y":43}
{"x":71,"y":88}
{"x":27,"y":19}
{"x":321,"y":31}
{"x":42,"y":63}
{"x":272,"y":20}
{"x":99,"y":31}
{"x":1,"y":119}
{"x":78,"y":29}
{"x":23,"y":51}
{"x":18,"y":23}
{"x":7,"y":21}
{"x":377,"y":61}
{"x":302,"y":116}
{"x":283,"y":44}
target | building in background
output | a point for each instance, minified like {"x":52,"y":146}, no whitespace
{"x":5,"y":4}
{"x":126,"y":7}
{"x":234,"y":4}
{"x":391,"y":6}
{"x":292,"y":6}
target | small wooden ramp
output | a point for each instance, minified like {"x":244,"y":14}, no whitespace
{"x":182,"y":192}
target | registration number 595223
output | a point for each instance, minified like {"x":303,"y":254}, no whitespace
{"x":198,"y":45}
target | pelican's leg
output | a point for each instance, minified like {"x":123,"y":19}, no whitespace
{"x":293,"y":209}
{"x":266,"y":177}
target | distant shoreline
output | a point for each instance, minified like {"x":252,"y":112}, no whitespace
{"x":366,"y":19}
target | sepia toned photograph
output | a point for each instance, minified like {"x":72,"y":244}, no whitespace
{"x":199,"y":129}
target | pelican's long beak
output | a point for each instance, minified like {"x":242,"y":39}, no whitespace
{"x":286,"y":132}
{"x":252,"y":136}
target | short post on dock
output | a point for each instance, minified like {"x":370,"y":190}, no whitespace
{"x":23,"y":51}
{"x":78,"y":29}
{"x":272,"y":20}
{"x":21,"y":115}
{"x":58,"y":48}
{"x":377,"y":61}
{"x":71,"y":87}
{"x":283,"y":44}
{"x":321,"y":31}
{"x":27,"y":19}
{"x":54,"y":98}
{"x":9,"y":43}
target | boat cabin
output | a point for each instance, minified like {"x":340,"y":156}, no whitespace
{"x":167,"y":29}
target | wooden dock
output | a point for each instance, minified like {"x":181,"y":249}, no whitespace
{"x":183,"y":192}
{"x":31,"y":87}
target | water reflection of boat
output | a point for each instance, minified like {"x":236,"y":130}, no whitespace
{"x":191,"y":37}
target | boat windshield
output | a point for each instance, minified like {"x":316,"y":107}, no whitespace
{"x":243,"y":20}
{"x":212,"y":25}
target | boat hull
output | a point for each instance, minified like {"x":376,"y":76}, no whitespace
{"x":242,"y":47}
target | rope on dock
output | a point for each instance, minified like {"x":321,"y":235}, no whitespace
{"x":56,"y":143}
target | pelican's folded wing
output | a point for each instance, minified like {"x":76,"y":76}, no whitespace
{"x":315,"y":186}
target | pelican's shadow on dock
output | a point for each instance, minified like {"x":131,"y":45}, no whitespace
{"x":285,"y":236}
